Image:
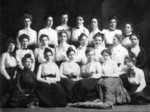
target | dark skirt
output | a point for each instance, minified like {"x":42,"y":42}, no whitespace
{"x":67,"y":85}
{"x":111,"y":89}
{"x":51,"y":95}
{"x":85,"y":90}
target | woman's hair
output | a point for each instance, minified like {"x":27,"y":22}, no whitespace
{"x":88,"y":50}
{"x":47,"y":16}
{"x":70,"y":49}
{"x":118,"y":36}
{"x":137,"y":36}
{"x":43,"y":35}
{"x":113,"y":17}
{"x":131,"y":57}
{"x":63,"y":31}
{"x":82,"y":35}
{"x":94,"y":17}
{"x":9,"y":41}
{"x":108,"y":51}
{"x":81,"y":15}
{"x":129,"y":24}
{"x":99,"y":35}
{"x":21,"y":37}
{"x":27,"y":16}
{"x":27,"y":56}
{"x":48,"y":50}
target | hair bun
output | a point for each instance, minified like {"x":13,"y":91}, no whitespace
{"x":28,"y":55}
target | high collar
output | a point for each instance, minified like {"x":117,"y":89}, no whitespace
{"x":80,"y":27}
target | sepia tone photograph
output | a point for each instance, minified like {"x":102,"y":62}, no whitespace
{"x":74,"y":55}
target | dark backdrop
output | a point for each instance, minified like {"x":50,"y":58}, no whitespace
{"x":135,"y":11}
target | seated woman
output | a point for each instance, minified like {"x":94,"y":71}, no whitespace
{"x":98,"y":47}
{"x":60,"y":50}
{"x":84,"y":90}
{"x":136,"y":81}
{"x":141,"y":58}
{"x":70,"y":73}
{"x":109,"y":86}
{"x":24,"y":40}
{"x":8,"y":65}
{"x":80,"y":52}
{"x":48,"y":90}
{"x":25,"y":83}
{"x":118,"y":51}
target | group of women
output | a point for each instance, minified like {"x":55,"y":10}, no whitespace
{"x":67,"y":66}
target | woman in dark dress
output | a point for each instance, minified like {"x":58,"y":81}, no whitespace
{"x":49,"y":91}
{"x":135,"y":81}
{"x":8,"y":65}
{"x":110,"y":86}
{"x":84,"y":90}
{"x":70,"y":73}
{"x":141,"y":58}
{"x":25,"y":83}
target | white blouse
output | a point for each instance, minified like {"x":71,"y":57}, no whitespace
{"x":109,"y":35}
{"x":52,"y":34}
{"x":32,"y":36}
{"x":90,"y":67}
{"x":136,"y":50}
{"x":110,"y":69}
{"x":39,"y":54}
{"x":76,"y":32}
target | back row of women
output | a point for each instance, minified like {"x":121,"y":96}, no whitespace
{"x":66,"y":66}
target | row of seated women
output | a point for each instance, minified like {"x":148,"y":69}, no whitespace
{"x":55,"y":76}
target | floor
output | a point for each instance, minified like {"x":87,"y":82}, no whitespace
{"x":125,"y":108}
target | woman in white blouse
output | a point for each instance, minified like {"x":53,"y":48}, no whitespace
{"x":95,"y":30}
{"x":98,"y":47}
{"x":27,"y":19}
{"x":84,"y":90}
{"x":60,"y":50}
{"x":135,"y":81}
{"x":52,"y":34}
{"x":8,"y":65}
{"x":49,"y":91}
{"x":110,"y":86}
{"x":70,"y":73}
{"x":109,"y":33}
{"x":24,"y":40}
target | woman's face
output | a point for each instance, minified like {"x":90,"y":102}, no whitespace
{"x":27,"y":22}
{"x":134,"y":40}
{"x":128,"y":63}
{"x":64,"y":19}
{"x":48,"y":56}
{"x":115,"y":41}
{"x":71,"y":55}
{"x":49,"y":22}
{"x":11,"y":47}
{"x":90,"y":56}
{"x":25,"y":42}
{"x":113,"y":24}
{"x":128,"y":29}
{"x":94,"y":23}
{"x":79,"y":21}
{"x":106,"y":56}
{"x":63,"y":38}
{"x":44,"y":41}
{"x":98,"y":40}
{"x":28,"y":63}
{"x":84,"y":41}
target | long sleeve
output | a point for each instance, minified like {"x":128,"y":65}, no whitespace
{"x":61,"y":71}
{"x":18,"y":82}
{"x":98,"y":73}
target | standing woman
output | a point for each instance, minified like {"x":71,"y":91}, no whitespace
{"x":84,"y":90}
{"x":141,"y":57}
{"x":27,"y":19}
{"x":60,"y":50}
{"x":70,"y":73}
{"x":24,"y":40}
{"x":98,"y":47}
{"x":128,"y":30}
{"x":95,"y":30}
{"x":8,"y":65}
{"x":48,"y":90}
{"x":109,"y":86}
{"x":136,"y":82}
{"x":52,"y":34}
{"x":109,"y":33}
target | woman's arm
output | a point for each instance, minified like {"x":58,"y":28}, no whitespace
{"x":61,"y":71}
{"x":18,"y":58}
{"x":98,"y":71}
{"x":2,"y":67}
{"x":33,"y":64}
{"x":18,"y":82}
